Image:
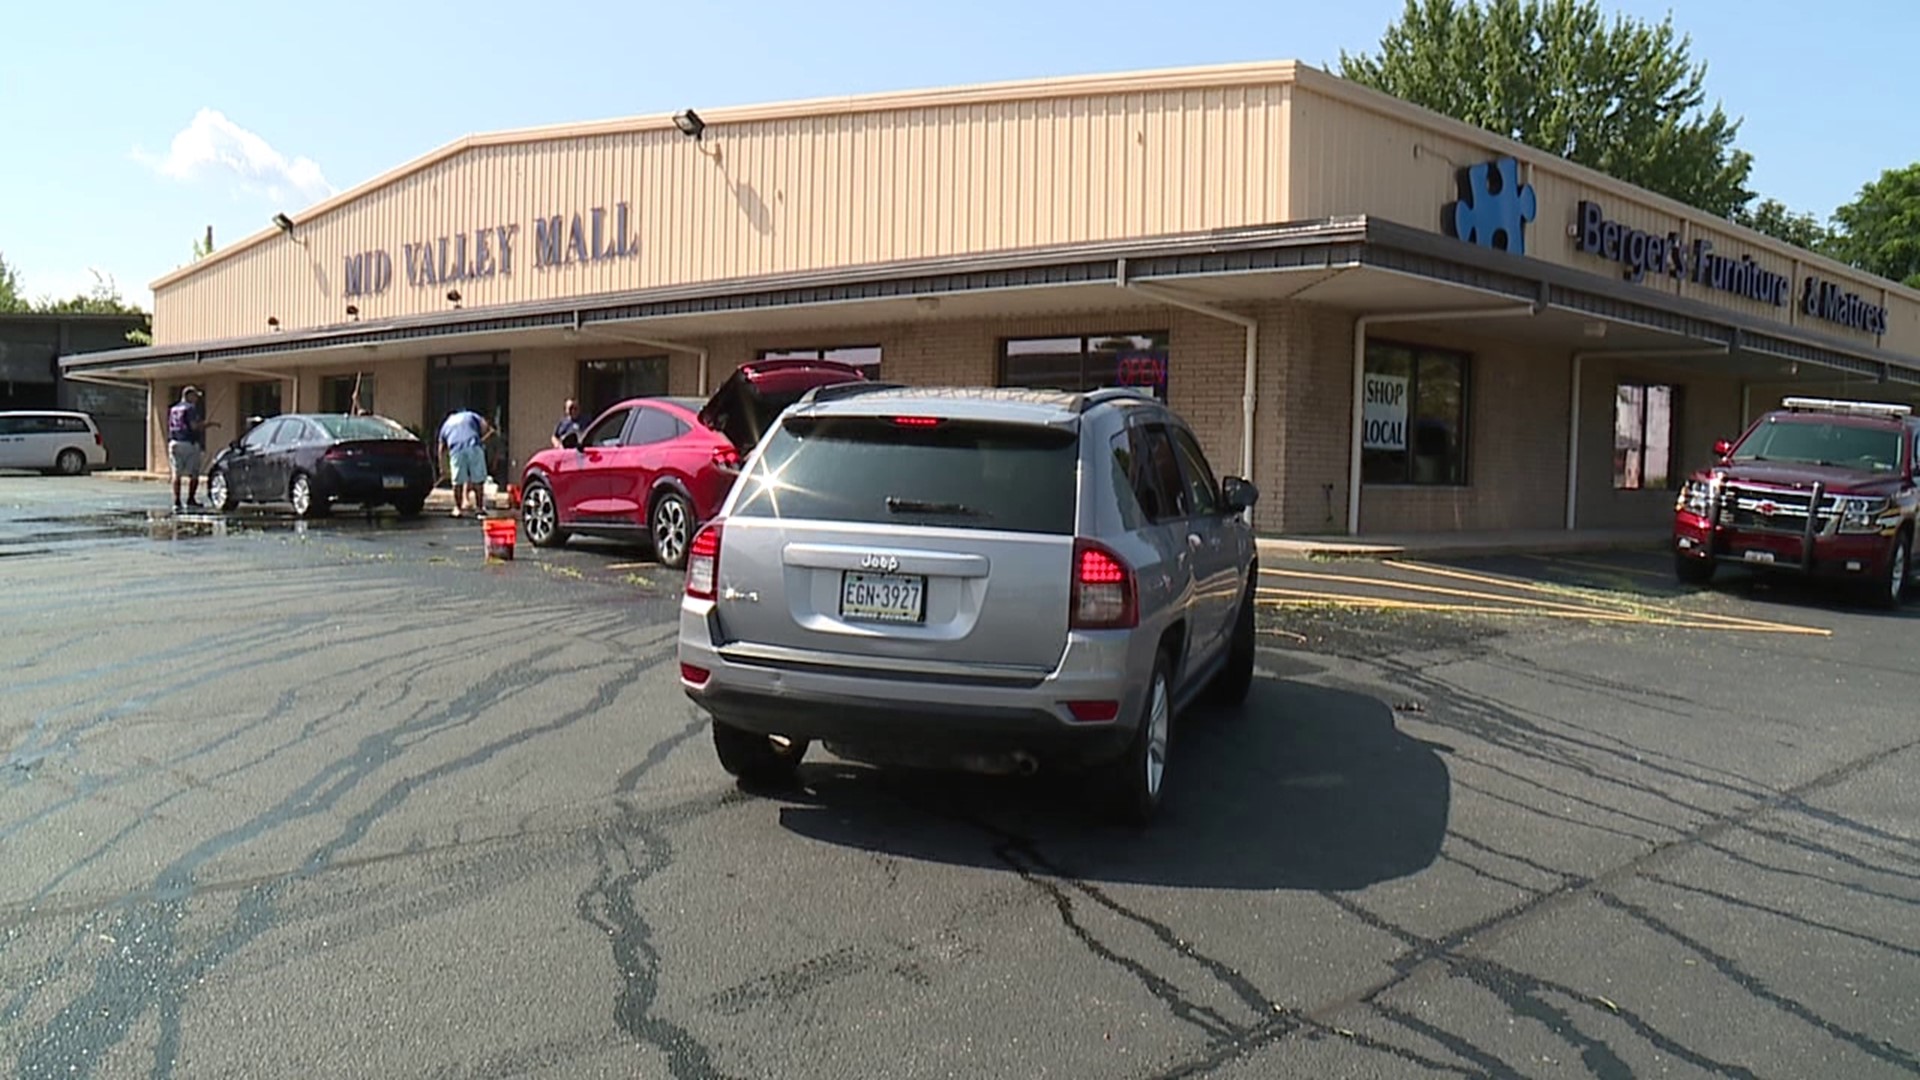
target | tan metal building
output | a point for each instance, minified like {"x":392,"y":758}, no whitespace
{"x":1390,"y":320}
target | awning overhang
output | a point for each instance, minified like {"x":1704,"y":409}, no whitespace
{"x":1364,"y":265}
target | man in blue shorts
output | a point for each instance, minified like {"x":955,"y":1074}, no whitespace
{"x":463,"y":438}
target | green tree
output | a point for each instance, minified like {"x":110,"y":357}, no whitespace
{"x":103,"y":299}
{"x":1879,"y":231}
{"x":10,"y":298}
{"x":1623,"y":97}
{"x":1771,"y":216}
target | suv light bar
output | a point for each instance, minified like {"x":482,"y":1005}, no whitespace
{"x":1847,"y":408}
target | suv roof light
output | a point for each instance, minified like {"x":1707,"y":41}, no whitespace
{"x":1883,"y":409}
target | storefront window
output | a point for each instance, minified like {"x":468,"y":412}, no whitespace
{"x":864,"y":357}
{"x":606,"y":383}
{"x":337,"y":394}
{"x":261,"y":399}
{"x":1087,"y":363}
{"x":1414,"y":416}
{"x":1643,"y":427}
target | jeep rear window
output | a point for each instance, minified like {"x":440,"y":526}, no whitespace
{"x":1808,"y":442}
{"x":1012,"y":477}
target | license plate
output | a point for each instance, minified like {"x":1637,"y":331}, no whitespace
{"x":393,"y":483}
{"x":898,"y":598}
{"x":1758,"y":556}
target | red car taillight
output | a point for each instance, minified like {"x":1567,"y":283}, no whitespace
{"x":1104,"y":594}
{"x":727,"y":458}
{"x":703,"y":563}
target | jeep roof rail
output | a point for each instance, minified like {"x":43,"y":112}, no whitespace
{"x":1884,"y":409}
{"x":1113,"y":393}
{"x":836,"y":391}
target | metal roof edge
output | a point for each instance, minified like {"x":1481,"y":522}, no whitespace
{"x":1242,"y":238}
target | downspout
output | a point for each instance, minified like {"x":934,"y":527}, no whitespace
{"x":1360,"y":325}
{"x":1250,"y":376}
{"x":1580,"y":357}
{"x":653,"y":343}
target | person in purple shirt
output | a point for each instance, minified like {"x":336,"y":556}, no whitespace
{"x":187,"y":426}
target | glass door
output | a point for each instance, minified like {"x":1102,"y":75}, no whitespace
{"x":477,"y":381}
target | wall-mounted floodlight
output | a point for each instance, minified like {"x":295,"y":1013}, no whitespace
{"x":689,"y":123}
{"x":453,"y":297}
{"x":273,"y":323}
{"x":353,"y":312}
{"x":283,"y":223}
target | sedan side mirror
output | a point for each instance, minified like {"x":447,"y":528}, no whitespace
{"x":570,"y":441}
{"x":1238,"y":494}
{"x":1722,"y":448}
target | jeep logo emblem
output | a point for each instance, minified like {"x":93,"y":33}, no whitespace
{"x":884,"y":563}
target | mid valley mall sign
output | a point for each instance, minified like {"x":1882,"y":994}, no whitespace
{"x":1643,"y":253}
{"x":595,"y":235}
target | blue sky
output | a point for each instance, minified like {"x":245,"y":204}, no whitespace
{"x":128,"y":127}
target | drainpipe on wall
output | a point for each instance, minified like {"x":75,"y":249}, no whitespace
{"x":1580,"y":356}
{"x":1249,"y":379}
{"x":652,"y":343}
{"x":1360,"y":326}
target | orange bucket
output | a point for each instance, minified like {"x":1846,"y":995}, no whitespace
{"x":500,"y":533}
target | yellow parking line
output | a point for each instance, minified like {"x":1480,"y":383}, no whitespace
{"x":627,"y":565}
{"x":1433,"y":590}
{"x":1301,"y":598}
{"x":1524,"y":586}
{"x":1635,"y":571}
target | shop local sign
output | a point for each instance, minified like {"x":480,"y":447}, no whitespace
{"x":1383,"y":414}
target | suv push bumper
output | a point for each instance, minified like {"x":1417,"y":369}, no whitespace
{"x":919,"y":720}
{"x":1843,"y":555}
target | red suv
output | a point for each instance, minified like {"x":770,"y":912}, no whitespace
{"x":660,"y":466}
{"x":1820,"y":488}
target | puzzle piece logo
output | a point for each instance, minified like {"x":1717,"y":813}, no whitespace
{"x":1494,"y":207}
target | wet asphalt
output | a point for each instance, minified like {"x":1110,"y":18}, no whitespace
{"x":346,"y":799}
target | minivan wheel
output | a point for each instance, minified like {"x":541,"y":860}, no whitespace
{"x":757,"y":759}
{"x":70,"y":462}
{"x":540,"y":517}
{"x":1135,"y":781}
{"x":1231,"y":685}
{"x":219,"y":492}
{"x":671,"y":525}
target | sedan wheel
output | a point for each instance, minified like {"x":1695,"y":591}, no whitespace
{"x":305,"y":503}
{"x":218,"y":492}
{"x":540,"y":517}
{"x":672,"y":529}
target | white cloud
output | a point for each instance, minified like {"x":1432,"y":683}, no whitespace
{"x":213,"y":145}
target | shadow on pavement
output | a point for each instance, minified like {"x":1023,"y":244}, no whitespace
{"x":1304,"y":787}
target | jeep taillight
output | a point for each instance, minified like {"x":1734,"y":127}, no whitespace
{"x":703,"y":563}
{"x":1104,"y":592}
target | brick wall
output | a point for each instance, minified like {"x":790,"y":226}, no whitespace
{"x":1517,"y":444}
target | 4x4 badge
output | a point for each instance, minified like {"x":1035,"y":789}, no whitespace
{"x":885,"y":563}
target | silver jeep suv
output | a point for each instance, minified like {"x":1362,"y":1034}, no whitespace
{"x":995,"y":580}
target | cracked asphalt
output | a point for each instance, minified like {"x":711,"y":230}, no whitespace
{"x":348,"y":800}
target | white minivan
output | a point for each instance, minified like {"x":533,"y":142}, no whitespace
{"x":68,"y":443}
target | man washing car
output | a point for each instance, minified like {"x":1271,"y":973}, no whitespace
{"x":463,"y":437}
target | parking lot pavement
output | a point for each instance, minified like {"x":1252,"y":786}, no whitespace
{"x":351,"y":800}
